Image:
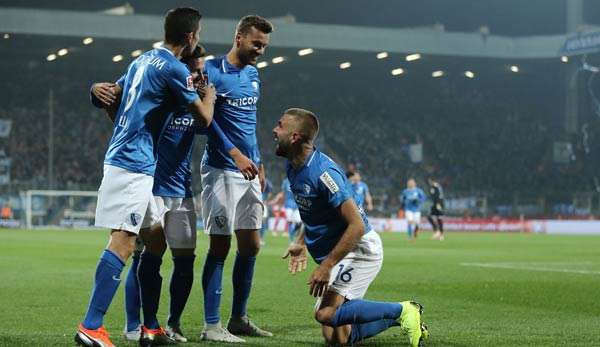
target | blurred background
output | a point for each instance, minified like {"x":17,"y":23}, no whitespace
{"x":496,"y":99}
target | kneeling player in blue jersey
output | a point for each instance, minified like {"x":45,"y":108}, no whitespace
{"x":339,"y":238}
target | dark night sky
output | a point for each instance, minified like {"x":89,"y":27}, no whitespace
{"x":503,"y":17}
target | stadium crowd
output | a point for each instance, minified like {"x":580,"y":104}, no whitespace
{"x":491,"y":138}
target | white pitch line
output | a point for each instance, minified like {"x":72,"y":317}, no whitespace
{"x":530,"y":268}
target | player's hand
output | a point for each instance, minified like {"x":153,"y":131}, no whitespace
{"x":105,"y":92}
{"x":244,"y":164}
{"x":210,"y":94}
{"x":319,"y":280}
{"x":298,"y":260}
{"x":438,"y":206}
{"x":369,"y":207}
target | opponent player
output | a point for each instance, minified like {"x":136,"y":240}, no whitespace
{"x":412,"y":199}
{"x":231,"y":203}
{"x":155,"y":81}
{"x":173,"y":195}
{"x":339,"y":238}
{"x":436,"y":194}
{"x":361,"y":191}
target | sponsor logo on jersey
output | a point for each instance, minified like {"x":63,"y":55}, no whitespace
{"x":245,"y":101}
{"x":302,"y":202}
{"x":329,"y":182}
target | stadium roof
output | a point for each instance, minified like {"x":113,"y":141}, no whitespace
{"x":502,"y":17}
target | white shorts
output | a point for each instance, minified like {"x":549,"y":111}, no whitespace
{"x":413,"y":216}
{"x":229,"y":201}
{"x":292,"y":215}
{"x":125,"y":200}
{"x":353,"y":275}
{"x":178,"y":219}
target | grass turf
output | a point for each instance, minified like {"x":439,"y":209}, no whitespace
{"x":478,"y":290}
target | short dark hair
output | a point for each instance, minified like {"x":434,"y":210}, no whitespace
{"x":250,"y":21}
{"x":198,"y":52}
{"x":308,"y":122}
{"x":180,"y":21}
{"x":350,"y":174}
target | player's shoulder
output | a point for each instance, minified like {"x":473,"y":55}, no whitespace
{"x":214,"y":64}
{"x":251,"y":71}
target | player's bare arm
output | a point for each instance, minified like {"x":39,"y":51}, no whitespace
{"x":203,"y":108}
{"x":244,"y":164}
{"x":319,"y":279}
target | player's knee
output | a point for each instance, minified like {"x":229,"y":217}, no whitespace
{"x":219,"y":246}
{"x":325,"y":315}
{"x":122,"y":243}
{"x":250,"y":250}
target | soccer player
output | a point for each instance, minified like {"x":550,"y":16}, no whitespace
{"x":155,"y":81}
{"x":412,"y":199}
{"x":339,"y":238}
{"x":361,"y":191}
{"x":230,"y":203}
{"x":436,"y":194}
{"x":173,"y":195}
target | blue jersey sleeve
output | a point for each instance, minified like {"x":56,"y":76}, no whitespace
{"x":223,"y":141}
{"x":180,"y":82}
{"x":332,"y":183}
{"x":121,"y":81}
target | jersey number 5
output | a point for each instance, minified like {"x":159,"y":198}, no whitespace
{"x":133,"y":93}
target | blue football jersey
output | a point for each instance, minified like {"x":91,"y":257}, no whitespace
{"x":413,"y":199}
{"x":268,"y":190}
{"x":173,"y":176}
{"x":319,"y":188}
{"x":288,"y":195}
{"x":360,"y":192}
{"x":155,"y":83}
{"x":238,"y":91}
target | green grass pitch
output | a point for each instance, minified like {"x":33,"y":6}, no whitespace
{"x":478,"y":290}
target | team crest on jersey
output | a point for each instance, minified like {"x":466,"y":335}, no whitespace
{"x":329,"y":182}
{"x":255,"y":85}
{"x":135,"y":218}
{"x":306,"y":188}
{"x":220,"y":221}
{"x":190,"y":82}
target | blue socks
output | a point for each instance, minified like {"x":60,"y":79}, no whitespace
{"x":212,"y":277}
{"x":132,"y":295}
{"x":364,"y":311}
{"x":182,"y":279}
{"x":106,"y":284}
{"x":365,"y":330}
{"x":150,"y":285}
{"x":243,"y":271}
{"x":410,"y":230}
{"x":368,"y":318}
